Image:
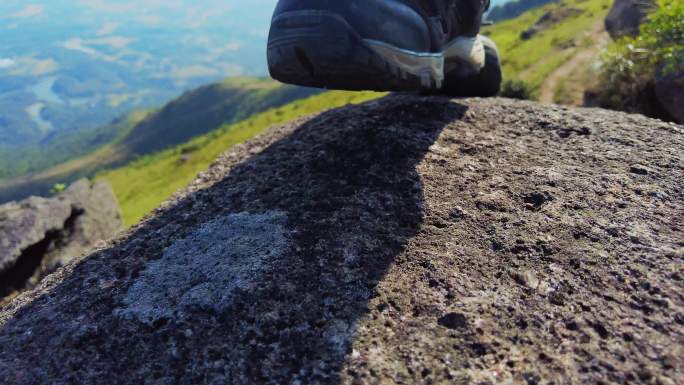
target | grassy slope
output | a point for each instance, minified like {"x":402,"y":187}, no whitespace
{"x":535,"y":59}
{"x":144,"y":184}
{"x":194,"y":113}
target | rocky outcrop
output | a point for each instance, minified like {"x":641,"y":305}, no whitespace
{"x":626,"y":16}
{"x":414,"y":240}
{"x":669,"y":90}
{"x":39,"y":235}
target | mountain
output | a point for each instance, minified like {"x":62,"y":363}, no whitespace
{"x":206,"y":108}
{"x":194,"y":113}
{"x":414,"y":240}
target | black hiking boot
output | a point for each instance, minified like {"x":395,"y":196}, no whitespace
{"x":384,"y":45}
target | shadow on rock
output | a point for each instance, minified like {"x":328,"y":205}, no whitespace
{"x":261,"y":277}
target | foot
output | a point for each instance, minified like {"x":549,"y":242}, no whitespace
{"x":384,"y":45}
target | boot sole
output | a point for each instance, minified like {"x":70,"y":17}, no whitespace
{"x":321,"y":49}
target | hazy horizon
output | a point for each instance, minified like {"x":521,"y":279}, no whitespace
{"x":77,"y":64}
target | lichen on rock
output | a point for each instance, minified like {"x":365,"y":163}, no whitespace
{"x":206,"y":269}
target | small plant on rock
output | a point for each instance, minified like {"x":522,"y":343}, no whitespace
{"x":516,"y":89}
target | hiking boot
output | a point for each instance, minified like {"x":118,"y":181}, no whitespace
{"x":383,"y":45}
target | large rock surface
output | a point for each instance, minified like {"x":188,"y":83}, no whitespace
{"x":38,"y":235}
{"x":626,"y":16}
{"x":408,"y":240}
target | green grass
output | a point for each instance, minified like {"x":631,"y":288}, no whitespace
{"x":535,"y":59}
{"x":145,"y":183}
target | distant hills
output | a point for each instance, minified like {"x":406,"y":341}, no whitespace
{"x":206,"y":108}
{"x":144,"y":132}
{"x":513,"y":9}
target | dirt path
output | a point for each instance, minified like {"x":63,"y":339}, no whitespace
{"x":581,"y":61}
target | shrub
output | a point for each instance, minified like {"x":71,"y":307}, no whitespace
{"x":516,"y":89}
{"x":58,"y":188}
{"x":630,"y":65}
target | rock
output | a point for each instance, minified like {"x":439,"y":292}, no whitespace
{"x":25,"y":224}
{"x":639,"y":169}
{"x":356,"y":247}
{"x":38,"y":235}
{"x":550,"y":18}
{"x":669,"y":90}
{"x":98,"y":218}
{"x":454,"y":321}
{"x":626,"y":16}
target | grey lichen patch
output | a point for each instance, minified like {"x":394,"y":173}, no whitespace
{"x":204,"y":271}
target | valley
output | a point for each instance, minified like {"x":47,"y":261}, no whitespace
{"x":100,"y":61}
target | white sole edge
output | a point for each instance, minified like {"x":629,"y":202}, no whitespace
{"x":431,"y":67}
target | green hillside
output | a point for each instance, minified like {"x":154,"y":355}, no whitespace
{"x":144,"y":184}
{"x":141,"y":133}
{"x":544,"y":40}
{"x":513,"y":9}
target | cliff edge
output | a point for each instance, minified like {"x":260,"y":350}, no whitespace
{"x":406,"y":240}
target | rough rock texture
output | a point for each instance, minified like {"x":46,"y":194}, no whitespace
{"x":404,"y":241}
{"x":38,"y":235}
{"x":24,"y":224}
{"x":626,"y":16}
{"x":670,"y":92}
